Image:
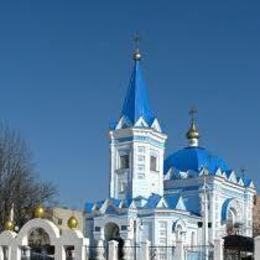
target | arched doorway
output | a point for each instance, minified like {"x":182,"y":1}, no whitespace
{"x":232,"y":225}
{"x":112,"y":232}
{"x":40,"y":245}
{"x":37,"y":237}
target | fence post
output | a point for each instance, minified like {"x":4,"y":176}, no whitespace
{"x":145,"y":250}
{"x":128,"y":250}
{"x":100,"y":250}
{"x":112,"y":250}
{"x":179,"y":252}
{"x":257,"y":246}
{"x":218,"y":249}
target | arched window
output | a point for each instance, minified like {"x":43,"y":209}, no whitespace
{"x":231,"y":221}
{"x":179,"y":230}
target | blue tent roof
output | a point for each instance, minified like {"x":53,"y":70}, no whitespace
{"x":190,"y":203}
{"x":194,"y":159}
{"x":136,"y":102}
{"x":153,"y":200}
{"x":193,"y":203}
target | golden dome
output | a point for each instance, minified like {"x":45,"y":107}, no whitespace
{"x":39,"y":212}
{"x":72,"y":222}
{"x":9,"y":225}
{"x":193,"y":132}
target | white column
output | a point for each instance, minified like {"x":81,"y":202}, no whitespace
{"x":60,"y":253}
{"x":179,"y":251}
{"x":128,"y":250}
{"x":100,"y":250}
{"x":205,"y":217}
{"x":27,"y":250}
{"x":257,"y":246}
{"x":15,"y":252}
{"x":112,"y":250}
{"x":145,"y":250}
{"x":80,"y":252}
{"x":1,"y":253}
{"x":218,"y":249}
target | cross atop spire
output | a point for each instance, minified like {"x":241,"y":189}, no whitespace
{"x":137,"y":55}
{"x":193,"y":134}
{"x":192,"y":113}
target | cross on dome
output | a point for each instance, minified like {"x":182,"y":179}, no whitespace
{"x":193,"y":134}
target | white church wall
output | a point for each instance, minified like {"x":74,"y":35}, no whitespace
{"x":224,"y":190}
{"x":166,"y":232}
{"x":140,"y":144}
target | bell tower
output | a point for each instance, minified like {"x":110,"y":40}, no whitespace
{"x":137,"y":143}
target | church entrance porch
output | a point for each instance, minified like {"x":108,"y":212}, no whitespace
{"x":238,"y":247}
{"x":112,"y":232}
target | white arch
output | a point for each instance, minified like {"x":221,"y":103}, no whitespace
{"x":236,"y":206}
{"x":69,"y":237}
{"x":180,"y":228}
{"x":49,"y":227}
{"x":180,"y":222}
{"x":22,"y":237}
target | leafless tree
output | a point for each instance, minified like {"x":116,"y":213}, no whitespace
{"x":19,"y":183}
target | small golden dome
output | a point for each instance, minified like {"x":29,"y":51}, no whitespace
{"x":39,"y":212}
{"x":9,"y":225}
{"x":193,"y":132}
{"x":72,"y":222}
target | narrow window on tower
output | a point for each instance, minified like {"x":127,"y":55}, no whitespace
{"x":122,"y":187}
{"x":153,"y":163}
{"x":124,"y":161}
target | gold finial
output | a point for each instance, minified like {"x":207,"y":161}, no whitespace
{"x":193,"y":134}
{"x":72,"y":222}
{"x":137,"y":55}
{"x":9,"y":225}
{"x":39,"y":211}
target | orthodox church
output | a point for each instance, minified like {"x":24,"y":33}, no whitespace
{"x":192,"y":196}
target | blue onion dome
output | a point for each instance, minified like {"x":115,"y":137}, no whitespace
{"x":195,"y":158}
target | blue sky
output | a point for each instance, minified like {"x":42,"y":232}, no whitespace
{"x":65,"y":67}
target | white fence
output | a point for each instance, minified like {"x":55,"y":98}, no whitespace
{"x":14,"y":246}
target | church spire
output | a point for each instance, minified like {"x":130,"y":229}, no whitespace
{"x":193,"y":134}
{"x":136,"y":103}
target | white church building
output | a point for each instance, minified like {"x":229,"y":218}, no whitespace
{"x":192,"y":196}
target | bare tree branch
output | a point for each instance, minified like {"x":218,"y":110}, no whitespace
{"x":19,"y":184}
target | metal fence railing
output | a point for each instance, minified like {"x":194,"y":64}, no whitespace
{"x":94,"y":251}
{"x":200,"y":252}
{"x":162,"y":252}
